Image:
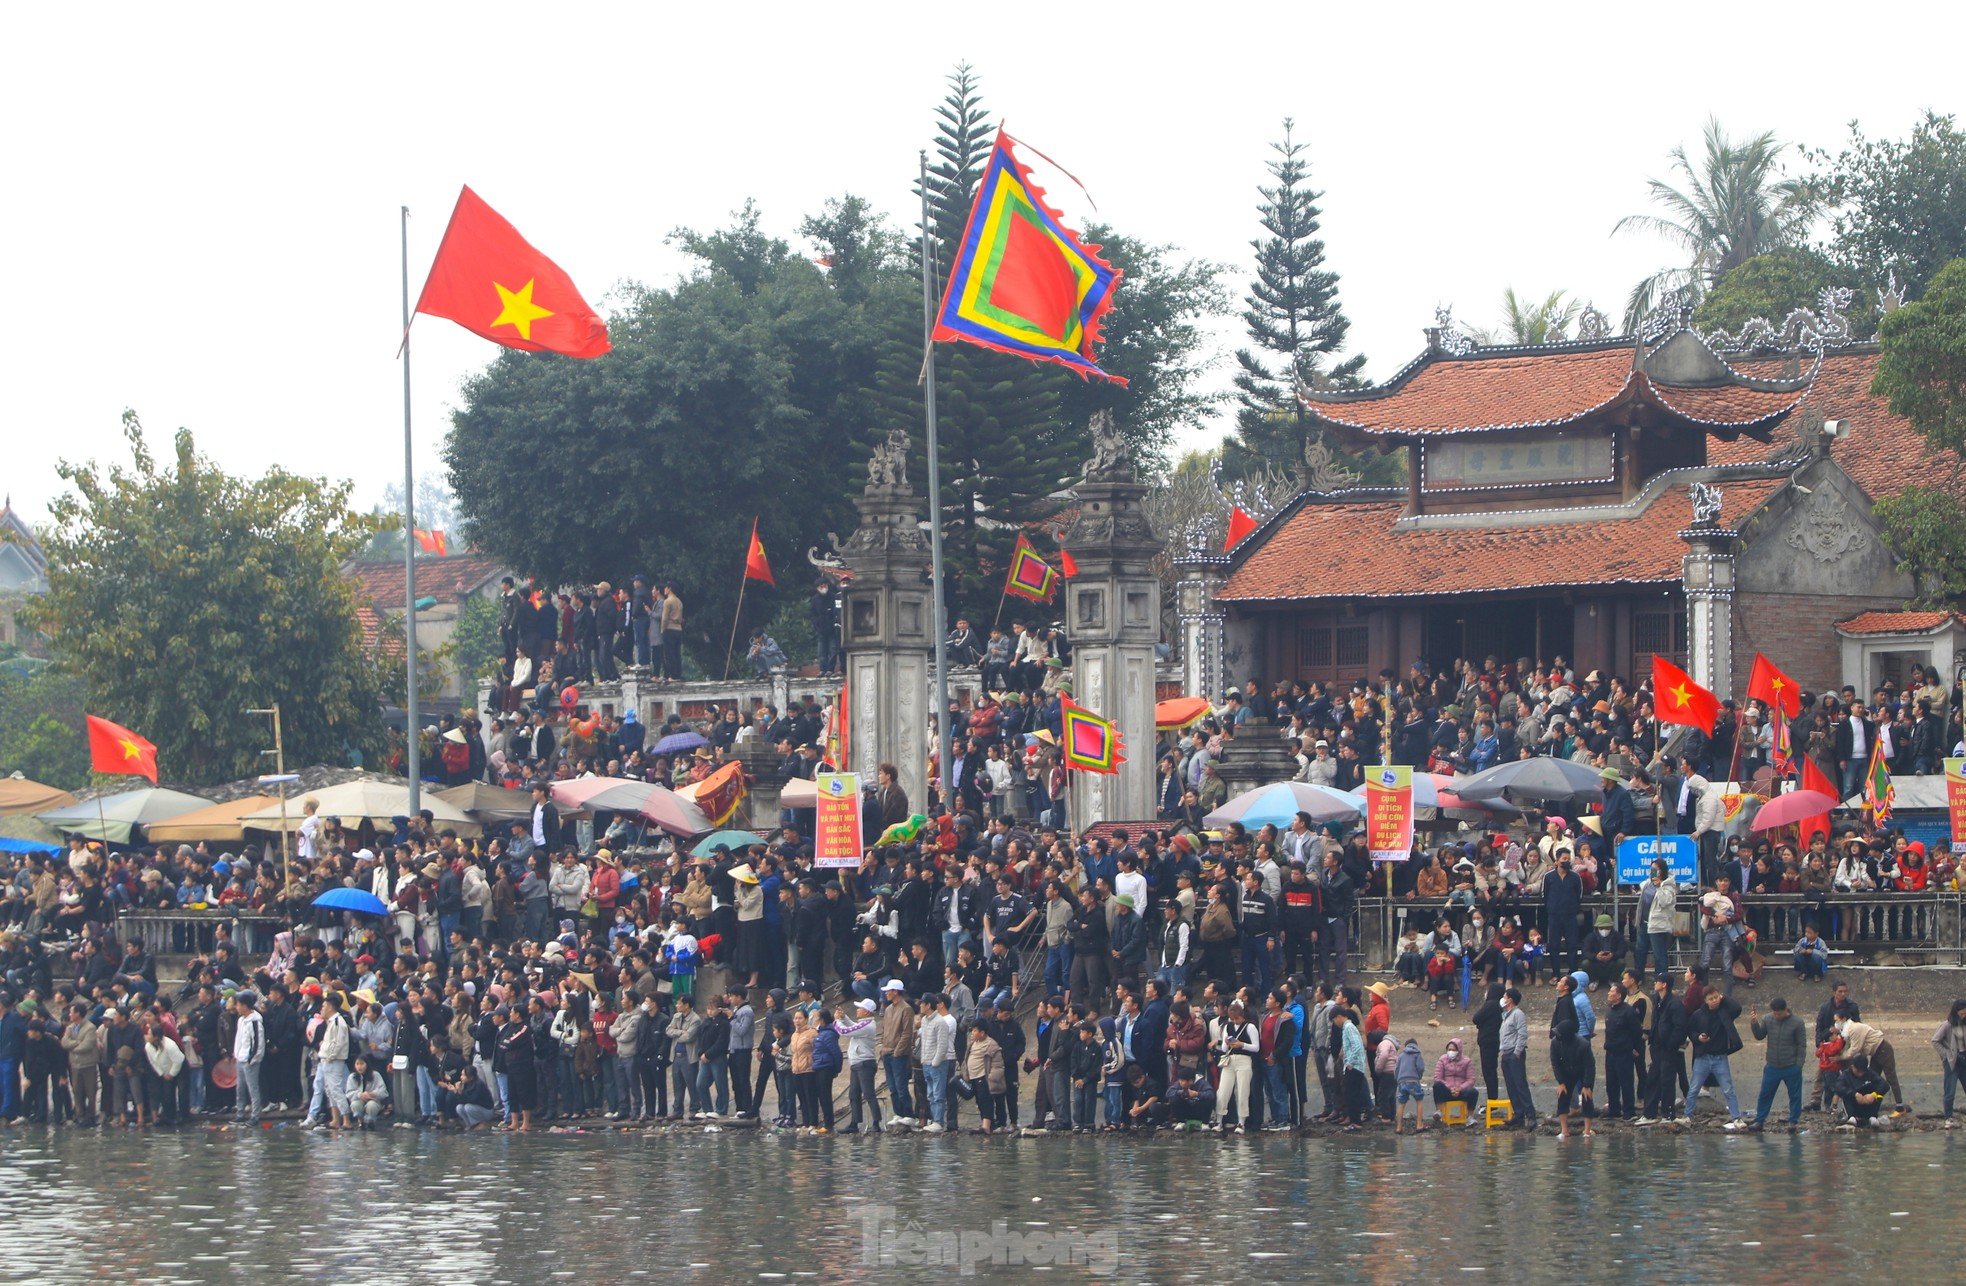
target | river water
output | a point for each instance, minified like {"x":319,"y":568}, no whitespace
{"x":207,"y":1205}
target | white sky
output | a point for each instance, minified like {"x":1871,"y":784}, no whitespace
{"x":203,"y":200}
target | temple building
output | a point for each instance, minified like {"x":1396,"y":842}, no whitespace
{"x":1603,"y":500}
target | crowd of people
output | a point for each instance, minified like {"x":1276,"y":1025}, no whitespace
{"x":1171,"y":975}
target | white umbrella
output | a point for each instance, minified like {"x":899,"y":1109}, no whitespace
{"x":378,"y":800}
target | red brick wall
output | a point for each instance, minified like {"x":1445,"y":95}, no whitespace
{"x":1798,"y":632}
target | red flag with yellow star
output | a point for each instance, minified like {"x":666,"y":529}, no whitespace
{"x":489,"y":280}
{"x":1677,"y":699}
{"x":115,"y":749}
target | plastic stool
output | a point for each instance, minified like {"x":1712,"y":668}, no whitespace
{"x":1454,"y":1112}
{"x":1499,"y":1112}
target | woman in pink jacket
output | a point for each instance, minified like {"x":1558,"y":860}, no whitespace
{"x":1454,"y":1078}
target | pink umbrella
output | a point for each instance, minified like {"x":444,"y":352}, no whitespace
{"x":1788,"y":810}
{"x":576,"y":793}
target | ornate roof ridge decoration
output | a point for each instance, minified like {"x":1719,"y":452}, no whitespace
{"x":1312,"y":398}
{"x":1655,"y":488}
{"x":1817,"y":329}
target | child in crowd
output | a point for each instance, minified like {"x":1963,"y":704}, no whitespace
{"x":1410,"y":1072}
{"x":1533,"y":953}
{"x":1410,"y":965}
{"x":1443,"y":973}
{"x":1811,"y":954}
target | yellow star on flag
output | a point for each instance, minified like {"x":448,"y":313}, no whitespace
{"x":130,"y":749}
{"x":519,"y":311}
{"x":1679,"y":694}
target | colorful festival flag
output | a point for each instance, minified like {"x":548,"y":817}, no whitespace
{"x":1022,"y":282}
{"x":1768,"y":685}
{"x":489,"y":280}
{"x":115,"y":749}
{"x":836,"y":729}
{"x":719,"y":794}
{"x":1089,"y":744}
{"x":1029,"y":576}
{"x":1878,"y":792}
{"x":1241,"y":523}
{"x":433,"y":542}
{"x":755,"y":566}
{"x":1677,"y":699}
{"x":1781,"y":751}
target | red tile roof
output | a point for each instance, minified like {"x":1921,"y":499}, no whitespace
{"x":444,"y":579}
{"x":1522,"y":388}
{"x":1878,"y":449}
{"x":372,"y":633}
{"x":1896,"y":622}
{"x":1354,"y":550}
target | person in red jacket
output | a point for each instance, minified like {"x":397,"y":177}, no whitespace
{"x":605,"y":885}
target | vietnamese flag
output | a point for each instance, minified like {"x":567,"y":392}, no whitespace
{"x":489,"y":280}
{"x":1240,"y":525}
{"x":1677,"y":699}
{"x":1768,"y":685}
{"x":115,"y":749}
{"x":755,"y":566}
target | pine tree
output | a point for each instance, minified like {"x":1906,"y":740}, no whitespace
{"x":1294,"y":319}
{"x":1005,"y":446}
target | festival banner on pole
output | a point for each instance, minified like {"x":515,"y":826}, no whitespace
{"x":1956,"y":802}
{"x":837,"y":840}
{"x":1389,"y":812}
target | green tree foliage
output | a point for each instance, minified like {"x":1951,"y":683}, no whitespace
{"x":1898,"y":205}
{"x":1532,"y":321}
{"x":1922,"y":369}
{"x":1921,"y":524}
{"x":180,"y":596}
{"x":1154,"y":338}
{"x":738,"y":391}
{"x":41,"y":730}
{"x":1294,"y":320}
{"x":1771,"y":286}
{"x":475,"y":649}
{"x":1720,"y":211}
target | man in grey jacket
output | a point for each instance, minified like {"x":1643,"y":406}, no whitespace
{"x":682,"y":1032}
{"x":1514,"y":1048}
{"x":743,"y":1039}
{"x":1787,"y":1037}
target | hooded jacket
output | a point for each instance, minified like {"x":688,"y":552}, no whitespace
{"x":1453,"y":1071}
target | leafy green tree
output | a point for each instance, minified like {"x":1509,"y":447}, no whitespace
{"x":475,"y":649}
{"x":1771,"y":286}
{"x":1532,"y":321}
{"x":1723,"y":210}
{"x":1897,"y":205}
{"x":1294,"y":320}
{"x":1921,"y":525}
{"x":1922,"y":366}
{"x":738,"y":391}
{"x":41,"y":726}
{"x":180,"y":595}
{"x":1154,"y":338}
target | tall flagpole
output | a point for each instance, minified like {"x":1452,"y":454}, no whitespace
{"x":939,"y":626}
{"x":410,"y":729}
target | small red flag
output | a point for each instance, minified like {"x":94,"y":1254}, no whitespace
{"x":433,"y":542}
{"x":1814,"y":778}
{"x":1068,"y":566}
{"x":1678,"y":699}
{"x":1768,"y":685}
{"x":1240,"y":525}
{"x":755,"y":566}
{"x":489,"y":280}
{"x":115,"y":749}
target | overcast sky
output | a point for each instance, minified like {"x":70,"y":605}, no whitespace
{"x":203,"y":210}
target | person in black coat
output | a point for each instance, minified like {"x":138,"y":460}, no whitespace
{"x":1667,"y":1043}
{"x":1624,"y":1047}
{"x":514,"y":1064}
{"x":1487,"y":1022}
{"x":1009,"y":1035}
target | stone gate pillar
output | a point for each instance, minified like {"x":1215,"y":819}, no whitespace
{"x":1708,"y":574}
{"x":887,"y":625}
{"x":1112,"y":616}
{"x":1199,"y":574}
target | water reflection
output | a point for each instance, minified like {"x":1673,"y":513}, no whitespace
{"x":409,"y":1206}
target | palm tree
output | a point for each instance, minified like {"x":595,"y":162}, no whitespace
{"x":1544,"y":321}
{"x":1729,"y":208}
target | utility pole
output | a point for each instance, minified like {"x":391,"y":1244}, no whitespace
{"x":280,"y":775}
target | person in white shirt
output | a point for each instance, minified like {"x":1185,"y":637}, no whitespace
{"x":309,"y":830}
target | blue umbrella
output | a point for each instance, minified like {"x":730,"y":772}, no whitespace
{"x":1279,"y":805}
{"x":352,"y":900}
{"x":676,"y":742}
{"x":733,"y":840}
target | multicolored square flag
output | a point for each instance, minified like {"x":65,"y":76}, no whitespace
{"x":1090,"y":744}
{"x":1022,"y":282}
{"x":1029,"y":576}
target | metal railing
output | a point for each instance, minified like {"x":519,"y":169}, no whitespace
{"x":180,"y":933}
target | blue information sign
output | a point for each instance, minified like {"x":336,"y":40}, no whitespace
{"x":1635,"y":858}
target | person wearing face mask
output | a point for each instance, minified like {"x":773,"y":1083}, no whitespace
{"x":1513,"y":1047}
